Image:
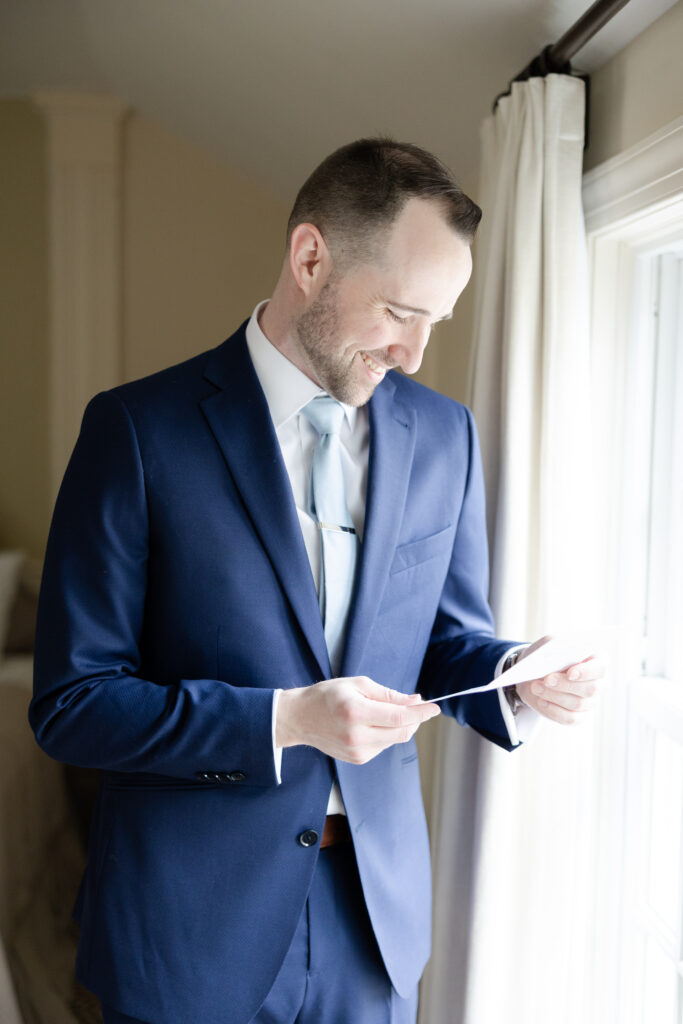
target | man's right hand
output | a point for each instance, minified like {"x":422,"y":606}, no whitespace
{"x":352,"y":719}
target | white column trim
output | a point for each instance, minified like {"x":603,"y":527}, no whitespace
{"x":84,"y":214}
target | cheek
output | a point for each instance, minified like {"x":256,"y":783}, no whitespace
{"x":374,"y":335}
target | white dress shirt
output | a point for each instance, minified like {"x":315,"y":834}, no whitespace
{"x":287,"y":391}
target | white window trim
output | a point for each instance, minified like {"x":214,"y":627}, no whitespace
{"x":649,"y":173}
{"x":631,"y":204}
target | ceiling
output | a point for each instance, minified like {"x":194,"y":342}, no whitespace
{"x":271,"y":86}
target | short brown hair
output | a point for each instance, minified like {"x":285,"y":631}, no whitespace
{"x":360,"y":189}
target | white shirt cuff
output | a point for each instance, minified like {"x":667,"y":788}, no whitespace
{"x":277,"y":751}
{"x":523,"y":726}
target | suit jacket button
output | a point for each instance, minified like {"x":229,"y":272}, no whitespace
{"x":236,"y":776}
{"x":203,"y":776}
{"x":307,"y":838}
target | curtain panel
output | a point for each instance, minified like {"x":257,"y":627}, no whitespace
{"x":514,"y":834}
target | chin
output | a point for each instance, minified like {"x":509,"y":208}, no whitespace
{"x":351,"y":392}
{"x":347,"y":380}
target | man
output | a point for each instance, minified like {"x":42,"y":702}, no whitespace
{"x":248,"y":590}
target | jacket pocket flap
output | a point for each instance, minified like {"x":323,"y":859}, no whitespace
{"x":417,"y":551}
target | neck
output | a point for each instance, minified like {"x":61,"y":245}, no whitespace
{"x":276,"y":321}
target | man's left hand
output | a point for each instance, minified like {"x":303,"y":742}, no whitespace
{"x":565,"y":697}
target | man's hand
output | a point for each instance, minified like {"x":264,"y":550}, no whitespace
{"x":563,"y":697}
{"x":352,"y":719}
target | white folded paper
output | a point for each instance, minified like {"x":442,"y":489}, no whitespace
{"x":557,"y":655}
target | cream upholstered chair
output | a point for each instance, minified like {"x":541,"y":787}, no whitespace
{"x":42,"y":852}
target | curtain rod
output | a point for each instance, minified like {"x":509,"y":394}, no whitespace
{"x":585,"y":28}
{"x":556,"y":57}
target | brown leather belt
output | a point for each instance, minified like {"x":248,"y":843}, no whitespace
{"x":336,"y":830}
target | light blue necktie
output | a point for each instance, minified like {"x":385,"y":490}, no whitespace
{"x":339,"y":543}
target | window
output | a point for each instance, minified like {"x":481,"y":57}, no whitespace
{"x":652,"y":952}
{"x":636,"y":244}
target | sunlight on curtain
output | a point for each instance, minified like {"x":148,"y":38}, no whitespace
{"x":514,"y":933}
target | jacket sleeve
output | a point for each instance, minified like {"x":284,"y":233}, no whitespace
{"x":91,"y":706}
{"x":463,"y":651}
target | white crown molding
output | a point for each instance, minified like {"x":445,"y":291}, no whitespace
{"x":84,"y":210}
{"x":647,"y":174}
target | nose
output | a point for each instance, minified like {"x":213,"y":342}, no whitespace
{"x":409,"y":351}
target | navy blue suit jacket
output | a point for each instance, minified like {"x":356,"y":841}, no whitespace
{"x":176,"y":596}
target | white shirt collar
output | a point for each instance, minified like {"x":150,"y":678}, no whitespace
{"x":286,"y":388}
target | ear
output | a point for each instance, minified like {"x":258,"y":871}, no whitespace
{"x":310,"y":261}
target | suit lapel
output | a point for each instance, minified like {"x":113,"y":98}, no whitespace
{"x":392,"y":445}
{"x":240,"y":421}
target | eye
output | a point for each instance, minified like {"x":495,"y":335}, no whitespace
{"x":398,"y":319}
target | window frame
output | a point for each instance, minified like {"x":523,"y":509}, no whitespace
{"x":634,"y":212}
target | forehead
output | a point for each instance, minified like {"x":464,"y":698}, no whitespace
{"x":423,"y":262}
{"x":421,"y":228}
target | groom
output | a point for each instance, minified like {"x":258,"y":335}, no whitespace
{"x":260,"y":562}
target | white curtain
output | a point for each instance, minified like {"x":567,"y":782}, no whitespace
{"x":515,"y":835}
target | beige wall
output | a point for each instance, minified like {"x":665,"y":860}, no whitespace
{"x":639,"y":90}
{"x":24,"y":510}
{"x":201,"y":247}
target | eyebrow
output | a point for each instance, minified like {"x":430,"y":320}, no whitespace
{"x":416,"y":309}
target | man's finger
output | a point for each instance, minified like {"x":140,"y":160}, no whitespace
{"x":375,"y":691}
{"x":560,"y":684}
{"x":568,"y":701}
{"x":388,"y":716}
{"x":580,"y":679}
{"x":589,"y":668}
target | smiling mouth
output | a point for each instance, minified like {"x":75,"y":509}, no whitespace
{"x":375,"y":369}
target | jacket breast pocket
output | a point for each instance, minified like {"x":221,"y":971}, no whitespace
{"x":436,"y":545}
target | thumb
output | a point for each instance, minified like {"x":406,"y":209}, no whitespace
{"x":375,"y":691}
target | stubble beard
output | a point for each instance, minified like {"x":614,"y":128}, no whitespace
{"x":318,"y":332}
